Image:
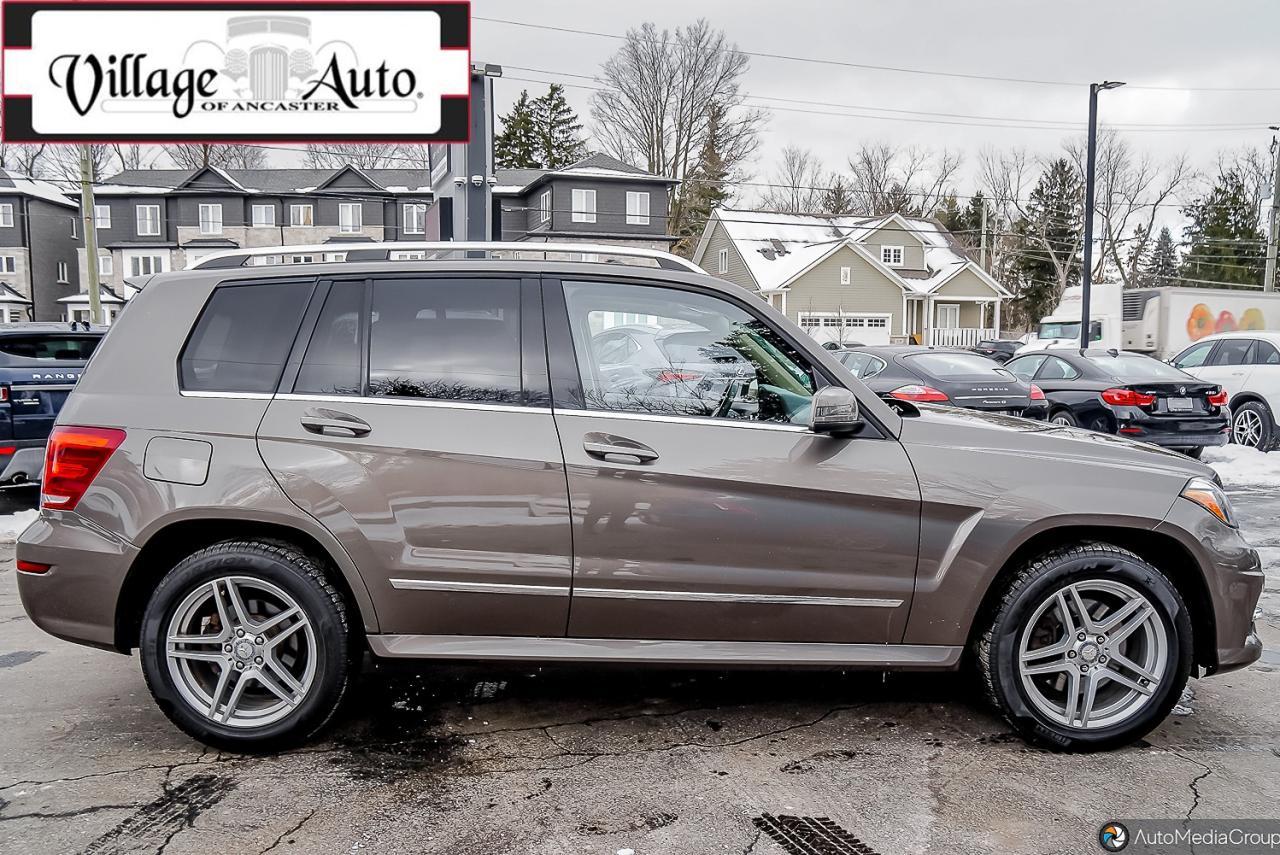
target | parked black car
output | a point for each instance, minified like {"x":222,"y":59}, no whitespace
{"x":934,"y":375}
{"x":999,"y":349}
{"x":1128,"y":394}
{"x":39,"y":364}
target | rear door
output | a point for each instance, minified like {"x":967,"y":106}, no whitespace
{"x":721,"y":517}
{"x":416,"y":427}
{"x":1228,"y":365}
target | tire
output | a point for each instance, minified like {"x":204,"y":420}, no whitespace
{"x":312,"y":647}
{"x":1253,"y":426}
{"x":1101,"y":574}
{"x":1064,"y":418}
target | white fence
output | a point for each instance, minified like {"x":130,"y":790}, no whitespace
{"x":959,"y":336}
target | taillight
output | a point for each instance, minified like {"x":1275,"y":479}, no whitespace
{"x":73,"y":458}
{"x":917,"y":392}
{"x":1218,"y":398}
{"x":4,"y":394}
{"x":1128,"y":398}
{"x":670,"y":375}
{"x":1037,"y":394}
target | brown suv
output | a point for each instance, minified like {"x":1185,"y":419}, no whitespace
{"x":267,"y":472}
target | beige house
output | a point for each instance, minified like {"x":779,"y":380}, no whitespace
{"x":873,"y":280}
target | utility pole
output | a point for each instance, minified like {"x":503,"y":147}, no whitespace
{"x":1089,"y":172}
{"x":90,"y":235}
{"x":983,"y":239}
{"x":1273,"y":221}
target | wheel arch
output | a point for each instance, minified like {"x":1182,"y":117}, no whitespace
{"x":172,"y":542}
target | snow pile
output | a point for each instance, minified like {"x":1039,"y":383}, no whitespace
{"x":12,"y":525}
{"x":1239,"y":466}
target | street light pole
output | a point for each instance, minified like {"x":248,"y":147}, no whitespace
{"x":1089,"y":172}
{"x":1273,"y":219}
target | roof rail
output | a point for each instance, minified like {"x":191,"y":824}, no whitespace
{"x":382,"y":250}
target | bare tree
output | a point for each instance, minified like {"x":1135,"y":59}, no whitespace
{"x":660,"y":89}
{"x":912,"y":180}
{"x":797,"y":185}
{"x":197,"y":156}
{"x":63,"y":164}
{"x":359,"y":155}
{"x":133,"y":156}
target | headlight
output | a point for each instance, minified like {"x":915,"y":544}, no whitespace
{"x":1211,"y":497}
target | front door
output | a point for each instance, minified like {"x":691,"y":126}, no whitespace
{"x":703,"y":507}
{"x":416,"y":428}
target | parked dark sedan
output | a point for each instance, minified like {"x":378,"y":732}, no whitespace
{"x":999,"y":349}
{"x":934,"y":375}
{"x":1128,"y":394}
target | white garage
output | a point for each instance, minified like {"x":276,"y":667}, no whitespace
{"x":846,"y":327}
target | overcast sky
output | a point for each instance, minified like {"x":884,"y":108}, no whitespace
{"x":1172,"y":43}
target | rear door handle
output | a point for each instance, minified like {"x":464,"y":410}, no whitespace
{"x":334,"y":423}
{"x":607,"y":446}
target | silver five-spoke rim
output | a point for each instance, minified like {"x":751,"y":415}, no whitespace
{"x":1061,"y":420}
{"x":241,"y":651}
{"x":1093,"y":654}
{"x":1247,"y":428}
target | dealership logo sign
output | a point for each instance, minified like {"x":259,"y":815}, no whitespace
{"x":235,"y":71}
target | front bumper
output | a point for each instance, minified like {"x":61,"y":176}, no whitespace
{"x":76,"y":598}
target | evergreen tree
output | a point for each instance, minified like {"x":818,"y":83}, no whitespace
{"x":898,"y":200}
{"x":1161,"y":266}
{"x":949,"y":214}
{"x":705,"y":188}
{"x":1224,"y":241}
{"x":558,"y":131}
{"x":1049,"y":241}
{"x":517,"y":146}
{"x":838,"y":197}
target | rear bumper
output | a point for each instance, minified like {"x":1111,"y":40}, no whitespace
{"x":25,"y":464}
{"x":1181,"y":440}
{"x":76,"y":598}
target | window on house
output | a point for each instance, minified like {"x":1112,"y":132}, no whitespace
{"x":145,"y":265}
{"x":722,"y":261}
{"x":102,"y":216}
{"x":544,"y":207}
{"x":584,"y":206}
{"x":301,"y":215}
{"x":263,"y":216}
{"x":148,"y":219}
{"x":75,"y":227}
{"x":845,"y":274}
{"x":948,"y":316}
{"x":6,"y":216}
{"x":637,"y":209}
{"x":350,"y":218}
{"x":408,"y":255}
{"x":8,"y":264}
{"x":891,"y":255}
{"x":63,"y":274}
{"x":415,"y":218}
{"x":106,"y":265}
{"x":210,"y":219}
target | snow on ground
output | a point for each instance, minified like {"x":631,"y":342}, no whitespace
{"x":12,"y":525}
{"x":1239,"y":466}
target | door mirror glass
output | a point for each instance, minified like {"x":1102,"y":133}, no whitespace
{"x":835,"y":411}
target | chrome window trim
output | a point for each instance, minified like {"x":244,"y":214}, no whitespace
{"x":480,"y":587}
{"x":42,"y":387}
{"x":682,"y":420}
{"x":724,"y":597}
{"x":411,"y":402}
{"x":245,"y":396}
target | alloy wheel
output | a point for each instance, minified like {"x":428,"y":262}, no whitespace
{"x":1246,"y":429}
{"x":241,"y":651}
{"x":1093,"y":654}
{"x":1064,"y":421}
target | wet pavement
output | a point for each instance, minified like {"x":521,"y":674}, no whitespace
{"x":577,"y":761}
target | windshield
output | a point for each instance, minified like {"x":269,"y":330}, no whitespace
{"x":947,"y":365}
{"x":50,"y":348}
{"x":1138,"y":368}
{"x":1069,"y":329}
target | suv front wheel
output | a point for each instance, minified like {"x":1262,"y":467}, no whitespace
{"x":1089,"y":648}
{"x":245,"y":645}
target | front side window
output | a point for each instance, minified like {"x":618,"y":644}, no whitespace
{"x":350,"y":218}
{"x":301,"y":215}
{"x":637,"y":209}
{"x":263,"y":216}
{"x":242,"y":337}
{"x":102,"y":216}
{"x":6,"y":216}
{"x":415,"y":218}
{"x":696,"y":355}
{"x":451,"y":340}
{"x":584,"y":206}
{"x":332,"y":363}
{"x":1193,"y":357}
{"x":210,"y":219}
{"x":148,"y":219}
{"x":891,"y":256}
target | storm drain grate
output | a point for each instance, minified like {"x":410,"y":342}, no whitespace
{"x":811,"y":835}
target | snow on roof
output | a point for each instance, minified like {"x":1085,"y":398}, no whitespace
{"x":13,"y":182}
{"x":776,"y":247}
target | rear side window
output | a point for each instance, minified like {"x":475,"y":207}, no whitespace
{"x":242,"y":338}
{"x":1231,"y":351}
{"x":1264,"y":353}
{"x":1057,"y":369}
{"x":50,"y":348}
{"x":948,"y":365}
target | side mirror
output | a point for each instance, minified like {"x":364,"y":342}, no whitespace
{"x":834,"y":411}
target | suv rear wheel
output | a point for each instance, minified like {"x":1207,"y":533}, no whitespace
{"x":1252,"y":426}
{"x":245,"y":645}
{"x":1089,"y":648}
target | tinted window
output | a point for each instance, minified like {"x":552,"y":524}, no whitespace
{"x":1231,"y":351}
{"x":1057,"y":369}
{"x":1024,"y":367}
{"x":332,"y":363}
{"x":721,"y":361}
{"x":455,"y":340}
{"x":1194,"y":357}
{"x":1137,"y":368}
{"x":947,"y":365}
{"x":49,"y":347}
{"x":1265,"y":353}
{"x":243,"y":336}
{"x":863,"y":365}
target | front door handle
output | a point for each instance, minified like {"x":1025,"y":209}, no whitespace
{"x":607,"y":446}
{"x":334,"y":423}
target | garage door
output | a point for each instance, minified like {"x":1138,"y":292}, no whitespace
{"x":847,"y":328}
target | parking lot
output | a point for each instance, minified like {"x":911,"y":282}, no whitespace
{"x":522,"y":760}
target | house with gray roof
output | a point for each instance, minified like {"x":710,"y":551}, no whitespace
{"x":39,"y":238}
{"x":844,"y":279}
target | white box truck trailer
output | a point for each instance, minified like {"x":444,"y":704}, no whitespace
{"x":1163,"y":321}
{"x":1061,"y":327}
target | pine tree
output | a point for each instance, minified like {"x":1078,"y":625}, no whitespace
{"x":1049,"y":246}
{"x":1162,"y":264}
{"x":838,"y":197}
{"x":517,"y":146}
{"x":558,"y":131}
{"x":1224,"y":241}
{"x":705,"y":188}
